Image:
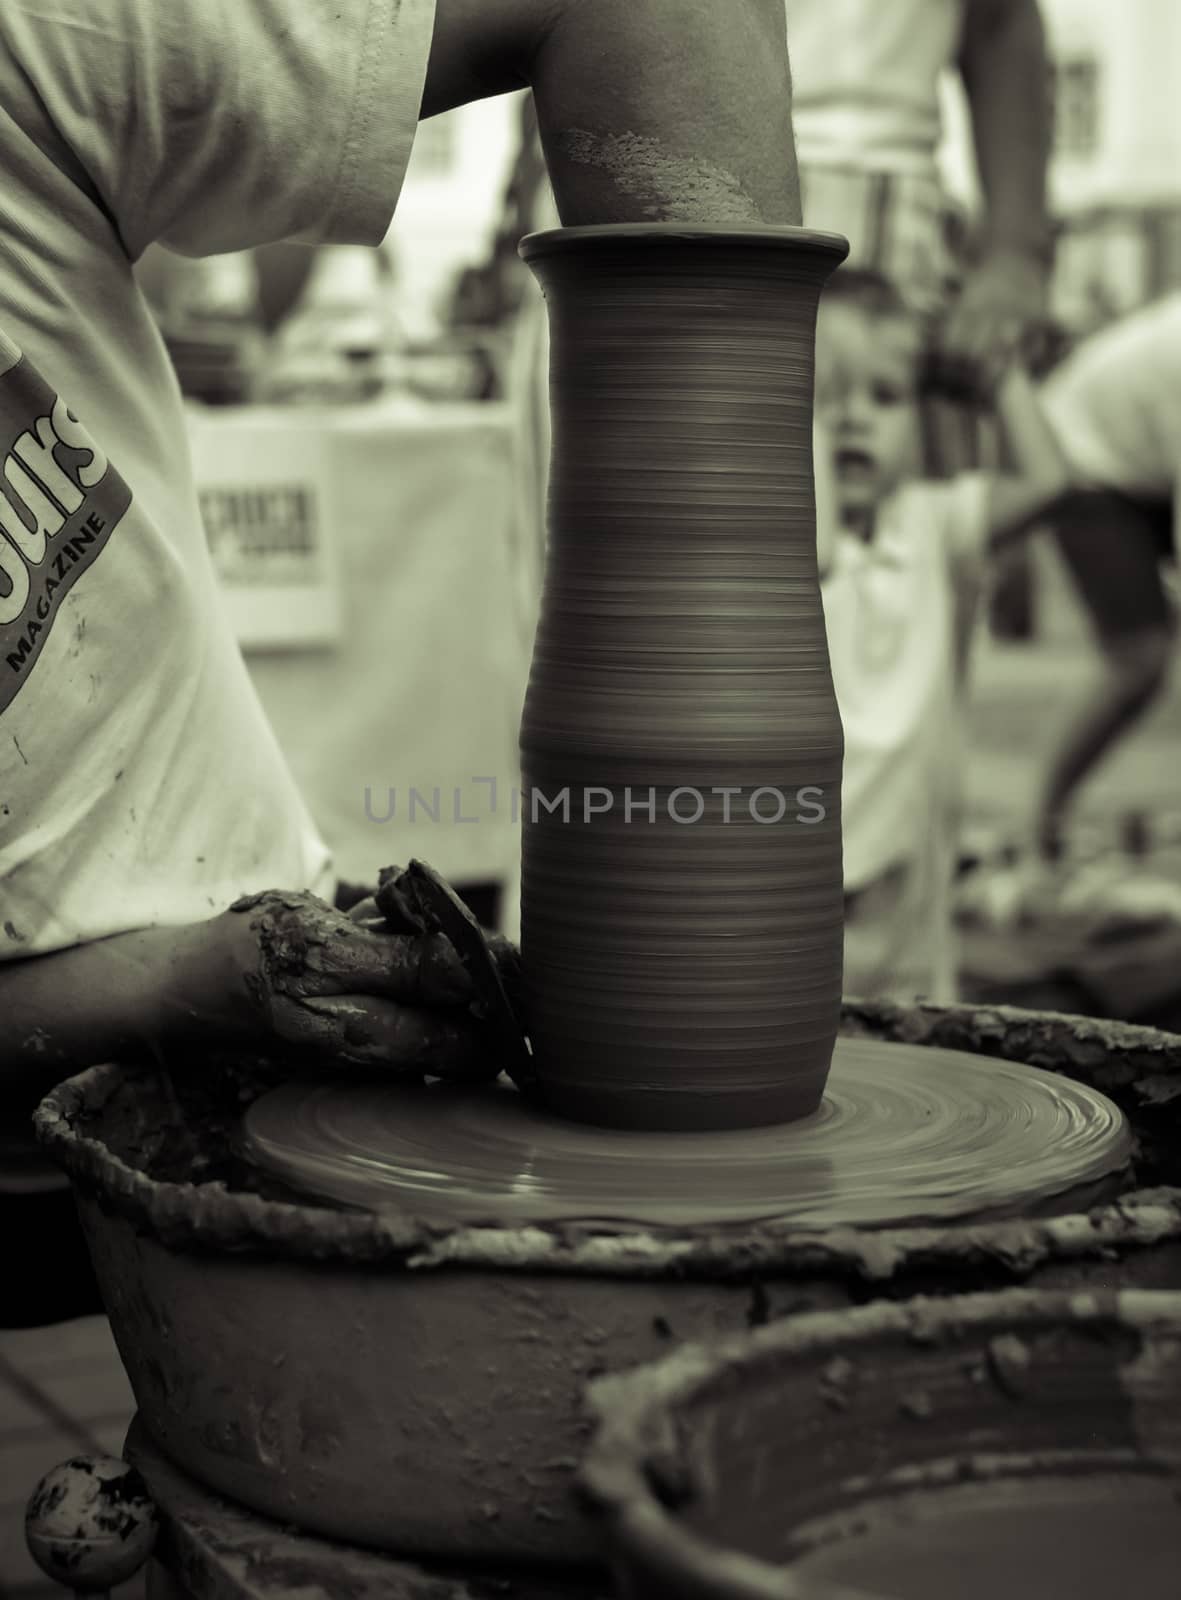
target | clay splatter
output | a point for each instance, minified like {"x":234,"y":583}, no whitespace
{"x":677,"y":188}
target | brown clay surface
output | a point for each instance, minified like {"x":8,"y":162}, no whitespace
{"x":904,"y":1135}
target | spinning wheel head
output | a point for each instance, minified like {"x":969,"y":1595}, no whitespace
{"x":905,"y":1136}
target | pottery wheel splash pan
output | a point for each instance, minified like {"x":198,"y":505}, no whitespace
{"x":1024,"y":1445}
{"x":904,"y":1134}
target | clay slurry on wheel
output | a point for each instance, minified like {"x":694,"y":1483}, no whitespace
{"x":905,"y":1135}
{"x":60,"y":501}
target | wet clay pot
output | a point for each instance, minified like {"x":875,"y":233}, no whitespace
{"x":681,"y":746}
{"x":1025,"y":1444}
{"x":420,"y":1388}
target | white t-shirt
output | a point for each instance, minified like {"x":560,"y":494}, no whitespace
{"x":139,"y":781}
{"x":865,"y":80}
{"x":1115,"y":402}
{"x":889,"y":609}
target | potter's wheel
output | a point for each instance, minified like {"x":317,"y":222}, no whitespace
{"x":905,"y":1134}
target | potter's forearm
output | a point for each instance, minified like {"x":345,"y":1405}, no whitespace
{"x":674,"y":110}
{"x":116,"y":998}
{"x":1005,"y":68}
{"x":650,"y":110}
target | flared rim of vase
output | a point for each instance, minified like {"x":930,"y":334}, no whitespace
{"x":553,"y":241}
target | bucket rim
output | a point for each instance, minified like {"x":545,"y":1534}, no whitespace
{"x":202,"y":1218}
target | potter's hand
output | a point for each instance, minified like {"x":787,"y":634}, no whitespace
{"x":1003,"y":299}
{"x":392,"y":909}
{"x":282,"y":967}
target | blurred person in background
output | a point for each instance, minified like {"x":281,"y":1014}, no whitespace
{"x":1115,"y":403}
{"x":866,"y":112}
{"x":894,"y":550}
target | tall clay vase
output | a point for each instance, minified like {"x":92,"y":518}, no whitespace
{"x":681,"y":747}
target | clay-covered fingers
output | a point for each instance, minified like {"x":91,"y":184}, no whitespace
{"x":382,"y":1034}
{"x":397,"y":900}
{"x":305,"y":947}
{"x":416,"y":969}
{"x":506,"y":958}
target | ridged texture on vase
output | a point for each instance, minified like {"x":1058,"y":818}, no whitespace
{"x":682,"y":973}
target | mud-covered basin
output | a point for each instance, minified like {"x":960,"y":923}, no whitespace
{"x":1025,"y":1443}
{"x":420,"y":1388}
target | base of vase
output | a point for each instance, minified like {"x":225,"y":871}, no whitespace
{"x":726,"y":1110}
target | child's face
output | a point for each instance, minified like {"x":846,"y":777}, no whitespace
{"x":867,"y":399}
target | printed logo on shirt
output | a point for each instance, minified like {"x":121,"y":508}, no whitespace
{"x":60,"y":501}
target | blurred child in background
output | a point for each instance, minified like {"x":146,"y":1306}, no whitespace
{"x":895,"y":552}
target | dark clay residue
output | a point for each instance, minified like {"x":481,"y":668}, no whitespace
{"x":184,"y":1127}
